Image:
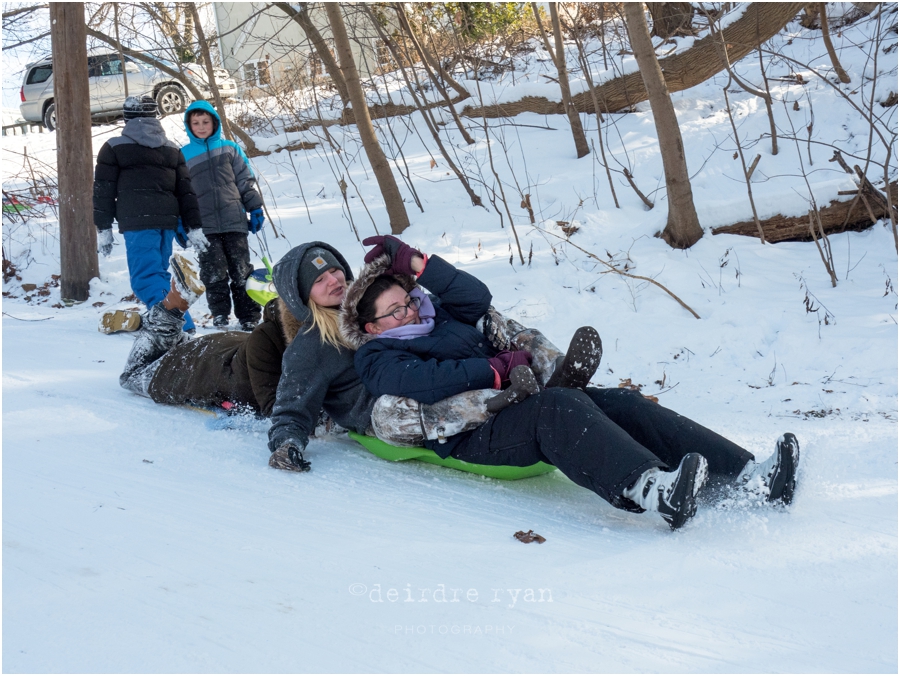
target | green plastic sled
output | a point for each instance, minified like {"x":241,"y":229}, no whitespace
{"x":397,"y":454}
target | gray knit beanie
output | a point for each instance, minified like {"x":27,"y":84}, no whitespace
{"x":314,"y":262}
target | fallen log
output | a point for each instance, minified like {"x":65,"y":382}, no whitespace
{"x":781,"y":228}
{"x":760,"y":21}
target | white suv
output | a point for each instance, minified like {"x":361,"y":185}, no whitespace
{"x":106,"y":87}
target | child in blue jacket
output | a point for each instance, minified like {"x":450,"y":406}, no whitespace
{"x":226,"y":190}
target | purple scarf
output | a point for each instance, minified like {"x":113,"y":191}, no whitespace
{"x":423,"y":328}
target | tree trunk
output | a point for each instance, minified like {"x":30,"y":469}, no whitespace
{"x":760,"y":21}
{"x":581,"y":145}
{"x":426,"y":65}
{"x":826,"y":38}
{"x":437,"y":68}
{"x":558,"y":55}
{"x":682,"y":225}
{"x":121,"y":56}
{"x":393,"y":201}
{"x":210,"y":73}
{"x":315,"y":38}
{"x":77,"y":234}
{"x":671,"y":19}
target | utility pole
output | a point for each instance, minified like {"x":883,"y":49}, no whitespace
{"x":74,"y":152}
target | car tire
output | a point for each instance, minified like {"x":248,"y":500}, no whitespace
{"x":50,"y":117}
{"x":171,"y":99}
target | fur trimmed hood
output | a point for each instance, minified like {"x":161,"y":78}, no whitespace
{"x":349,"y":317}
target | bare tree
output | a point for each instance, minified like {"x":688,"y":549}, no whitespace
{"x":426,"y":65}
{"x":826,"y":38}
{"x":558,"y":56}
{"x":393,"y":201}
{"x":143,"y":57}
{"x":177,"y":22}
{"x":683,"y":70}
{"x":299,"y":12}
{"x":682,"y":225}
{"x":24,"y":26}
{"x":671,"y":19}
{"x":210,"y":73}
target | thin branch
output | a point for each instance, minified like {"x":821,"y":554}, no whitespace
{"x":612,"y":268}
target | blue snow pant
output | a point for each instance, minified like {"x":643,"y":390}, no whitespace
{"x":148,"y":253}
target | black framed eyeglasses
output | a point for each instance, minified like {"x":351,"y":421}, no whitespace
{"x":400,"y":313}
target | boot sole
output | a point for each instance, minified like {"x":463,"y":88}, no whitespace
{"x":119,"y":321}
{"x":581,"y":360}
{"x":186,"y":278}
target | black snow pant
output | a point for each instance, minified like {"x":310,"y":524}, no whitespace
{"x":228,"y":255}
{"x":602,"y":439}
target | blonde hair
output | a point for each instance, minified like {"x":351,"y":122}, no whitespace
{"x":325,"y":319}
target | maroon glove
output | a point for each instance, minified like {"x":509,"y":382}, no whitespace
{"x":401,"y":254}
{"x":506,"y":361}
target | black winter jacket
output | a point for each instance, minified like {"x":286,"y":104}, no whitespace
{"x":142,"y":181}
{"x":315,"y":375}
{"x":453,"y":358}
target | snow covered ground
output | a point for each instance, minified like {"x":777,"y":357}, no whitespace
{"x":144,"y":538}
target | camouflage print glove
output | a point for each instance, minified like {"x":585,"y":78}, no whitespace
{"x":289,"y":457}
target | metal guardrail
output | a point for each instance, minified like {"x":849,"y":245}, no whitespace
{"x":25,"y":127}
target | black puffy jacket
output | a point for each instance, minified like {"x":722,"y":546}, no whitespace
{"x":142,"y":182}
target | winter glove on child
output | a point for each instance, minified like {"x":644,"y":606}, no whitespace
{"x":256,"y":221}
{"x":105,"y":242}
{"x":181,"y":235}
{"x":401,"y":254}
{"x":198,"y":240}
{"x":289,"y":457}
{"x":506,"y":361}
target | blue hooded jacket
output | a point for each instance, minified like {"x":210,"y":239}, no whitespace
{"x":221,"y":177}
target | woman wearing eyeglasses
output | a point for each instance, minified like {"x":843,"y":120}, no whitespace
{"x":635,"y":454}
{"x":318,"y":372}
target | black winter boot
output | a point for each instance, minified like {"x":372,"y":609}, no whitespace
{"x":672,"y":494}
{"x":580,"y":362}
{"x":776,"y":478}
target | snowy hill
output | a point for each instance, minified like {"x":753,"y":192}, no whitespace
{"x":146,"y":538}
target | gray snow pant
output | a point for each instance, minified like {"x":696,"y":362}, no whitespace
{"x":160,"y":331}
